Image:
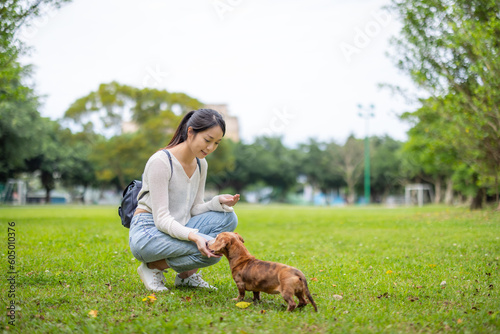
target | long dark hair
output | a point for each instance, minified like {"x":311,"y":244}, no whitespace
{"x":199,"y":120}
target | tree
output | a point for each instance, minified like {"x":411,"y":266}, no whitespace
{"x":221,"y":164}
{"x":119,"y":155}
{"x":15,"y":14}
{"x":120,"y":159}
{"x":20,"y":123}
{"x":313,"y":161}
{"x":21,"y":126}
{"x":276,"y":166}
{"x":349,"y":164}
{"x":80,"y":170}
{"x":244,"y":172}
{"x":107,"y":109}
{"x":266,"y":161}
{"x":450,"y":49}
{"x":52,"y":158}
{"x":385,"y":167}
{"x":332,"y":180}
{"x":316,"y":163}
{"x":430,"y":153}
{"x":465,"y":180}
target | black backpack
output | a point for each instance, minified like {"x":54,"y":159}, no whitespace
{"x":130,"y":193}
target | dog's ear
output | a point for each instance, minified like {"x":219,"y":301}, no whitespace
{"x":240,"y":237}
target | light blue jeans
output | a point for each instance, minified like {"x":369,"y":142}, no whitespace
{"x":148,"y":244}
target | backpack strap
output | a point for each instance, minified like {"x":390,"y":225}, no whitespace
{"x":169,"y":159}
{"x":172,"y":173}
{"x":172,"y":168}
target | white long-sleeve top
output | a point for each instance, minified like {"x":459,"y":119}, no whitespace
{"x":173,"y":198}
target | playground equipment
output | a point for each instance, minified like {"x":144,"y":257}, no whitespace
{"x":15,"y":192}
{"x":419,"y":190}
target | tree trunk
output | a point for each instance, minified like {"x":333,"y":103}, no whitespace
{"x":47,"y":180}
{"x":477,"y":201}
{"x":497,"y":194}
{"x":47,"y":195}
{"x":437,"y":186}
{"x":83,"y":193}
{"x":386,"y":193}
{"x":351,"y":197}
{"x":448,"y":197}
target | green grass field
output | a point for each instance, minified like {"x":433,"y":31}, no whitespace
{"x":75,"y":273}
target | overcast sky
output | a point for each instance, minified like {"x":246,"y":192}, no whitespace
{"x":293,"y":68}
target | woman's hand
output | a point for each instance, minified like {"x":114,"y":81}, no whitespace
{"x":229,"y":200}
{"x":201,"y":243}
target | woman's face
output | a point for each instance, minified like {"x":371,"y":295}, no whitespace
{"x":205,"y":142}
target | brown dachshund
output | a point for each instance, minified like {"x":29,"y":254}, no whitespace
{"x":251,"y":274}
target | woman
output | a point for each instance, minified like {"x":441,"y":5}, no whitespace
{"x":172,"y":223}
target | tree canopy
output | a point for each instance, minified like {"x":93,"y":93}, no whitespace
{"x":450,"y":49}
{"x":151,"y":115}
{"x":21,"y":125}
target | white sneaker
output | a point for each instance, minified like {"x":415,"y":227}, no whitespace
{"x":153,"y":279}
{"x":194,"y":281}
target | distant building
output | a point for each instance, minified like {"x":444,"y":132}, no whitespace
{"x":232,"y":124}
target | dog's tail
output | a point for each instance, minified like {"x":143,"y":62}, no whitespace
{"x":308,"y":294}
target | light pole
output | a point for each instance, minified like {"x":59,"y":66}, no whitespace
{"x":366,"y":113}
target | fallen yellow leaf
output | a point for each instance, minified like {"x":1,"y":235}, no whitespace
{"x":150,"y":299}
{"x":93,"y":313}
{"x":388,"y":272}
{"x":243,"y":304}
